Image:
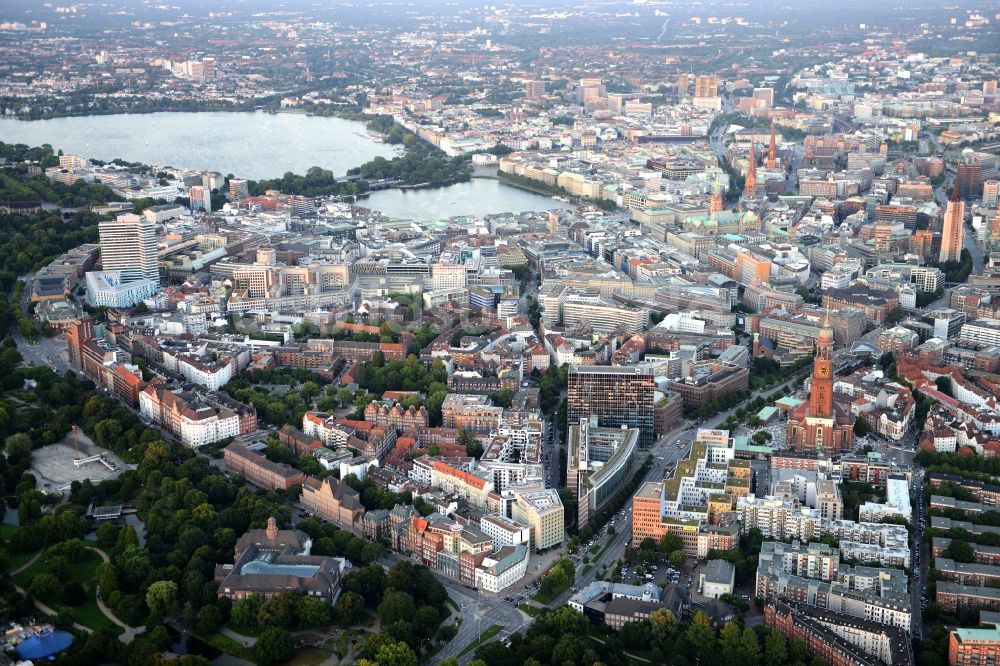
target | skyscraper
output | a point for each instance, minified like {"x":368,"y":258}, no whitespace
{"x":534,"y":89}
{"x":706,"y":86}
{"x":617,"y":395}
{"x":200,"y":198}
{"x":952,"y":230}
{"x":128,"y":244}
{"x":970,"y":175}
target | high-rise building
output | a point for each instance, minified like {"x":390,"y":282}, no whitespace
{"x":617,"y":395}
{"x":968,"y":179}
{"x":952,"y":230}
{"x":238,"y":188}
{"x":991,"y":193}
{"x":819,"y":424}
{"x":683,"y":84}
{"x":766,"y":95}
{"x":128,"y":244}
{"x":706,"y":86}
{"x":200,"y":197}
{"x":534,"y":89}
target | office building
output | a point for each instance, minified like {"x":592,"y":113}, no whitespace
{"x":953,"y":229}
{"x":542,"y":511}
{"x":617,"y":395}
{"x":128,"y":245}
{"x":968,"y":180}
{"x":598,"y":464}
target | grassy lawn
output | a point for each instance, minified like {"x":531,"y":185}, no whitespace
{"x":454,"y":606}
{"x":490,"y":632}
{"x":240,"y":629}
{"x":18,"y":559}
{"x":530,"y":610}
{"x":227,"y":645}
{"x":585,"y":570}
{"x":87,"y":614}
{"x":543,"y":598}
{"x":7,"y":531}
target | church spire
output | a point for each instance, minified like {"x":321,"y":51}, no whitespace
{"x":715,"y":203}
{"x":771,"y":161}
{"x":750,"y":188}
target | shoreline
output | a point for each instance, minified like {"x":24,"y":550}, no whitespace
{"x":355,"y":117}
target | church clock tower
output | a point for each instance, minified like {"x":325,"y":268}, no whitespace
{"x":821,"y":394}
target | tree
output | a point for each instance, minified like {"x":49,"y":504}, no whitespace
{"x":396,"y":605}
{"x":775,"y":648}
{"x":750,"y":647}
{"x":44,"y":586}
{"x":862,"y":427}
{"x":274,"y":644}
{"x":161,"y":596}
{"x":279,"y":611}
{"x":244,"y":613}
{"x":470,"y":441}
{"x":960,"y":551}
{"x":348,"y":608}
{"x":670,"y":542}
{"x":677,"y":558}
{"x":313,"y":613}
{"x":730,"y":642}
{"x":701,"y":635}
{"x":394,"y":653}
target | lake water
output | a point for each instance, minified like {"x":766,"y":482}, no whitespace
{"x":249,"y":145}
{"x":478,"y":197}
{"x":263,"y":145}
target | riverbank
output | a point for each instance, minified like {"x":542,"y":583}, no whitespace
{"x":557,"y":193}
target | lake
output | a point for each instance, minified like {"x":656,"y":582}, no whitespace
{"x":478,"y":197}
{"x":263,"y":145}
{"x":249,"y":145}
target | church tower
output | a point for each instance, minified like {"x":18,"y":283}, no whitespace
{"x":771,"y":156}
{"x":820,"y":424}
{"x":821,"y":391}
{"x":750,"y":187}
{"x":715,"y":203}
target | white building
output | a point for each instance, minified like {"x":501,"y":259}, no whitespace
{"x":502,"y":569}
{"x":109,"y":289}
{"x":504,"y":531}
{"x":717,"y":578}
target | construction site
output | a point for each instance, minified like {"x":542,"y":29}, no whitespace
{"x":76,"y":458}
